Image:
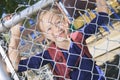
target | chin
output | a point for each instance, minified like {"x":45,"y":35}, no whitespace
{"x":61,"y":39}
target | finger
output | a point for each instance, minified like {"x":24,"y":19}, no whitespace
{"x":7,"y":17}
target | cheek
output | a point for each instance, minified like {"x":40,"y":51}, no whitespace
{"x":50,"y":36}
{"x":66,"y":25}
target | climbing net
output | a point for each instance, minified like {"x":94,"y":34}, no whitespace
{"x":104,"y":45}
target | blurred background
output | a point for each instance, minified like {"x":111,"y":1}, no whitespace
{"x":105,"y":46}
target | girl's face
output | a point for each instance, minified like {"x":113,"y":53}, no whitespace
{"x":54,"y":27}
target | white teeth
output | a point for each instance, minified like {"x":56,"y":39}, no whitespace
{"x":60,"y":39}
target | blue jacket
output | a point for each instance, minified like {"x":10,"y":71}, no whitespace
{"x":86,"y":69}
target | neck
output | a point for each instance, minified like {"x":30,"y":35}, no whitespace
{"x":63,"y":44}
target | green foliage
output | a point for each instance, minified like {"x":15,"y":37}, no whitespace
{"x":9,"y":6}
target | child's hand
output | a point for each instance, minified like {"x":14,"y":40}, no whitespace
{"x":15,"y":30}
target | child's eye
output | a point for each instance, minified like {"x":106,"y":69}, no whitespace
{"x":58,"y":23}
{"x":49,"y":29}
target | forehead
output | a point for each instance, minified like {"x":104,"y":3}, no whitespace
{"x":51,"y":16}
{"x":48,"y":17}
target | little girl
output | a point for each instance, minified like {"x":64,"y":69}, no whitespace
{"x":67,"y":52}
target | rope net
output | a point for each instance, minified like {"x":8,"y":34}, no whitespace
{"x":42,"y":60}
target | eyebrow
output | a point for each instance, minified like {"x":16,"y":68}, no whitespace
{"x":59,"y":17}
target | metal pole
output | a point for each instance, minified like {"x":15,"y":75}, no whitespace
{"x":8,"y":63}
{"x":23,"y":14}
{"x":3,"y":74}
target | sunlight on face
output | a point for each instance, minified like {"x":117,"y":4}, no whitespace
{"x":54,"y":26}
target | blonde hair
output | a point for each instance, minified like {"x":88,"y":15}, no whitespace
{"x":53,"y":10}
{"x":40,"y":17}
